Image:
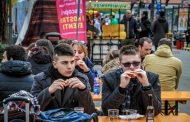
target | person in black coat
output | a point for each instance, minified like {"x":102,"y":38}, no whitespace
{"x":159,"y":28}
{"x":40,"y":56}
{"x":130,"y":28}
{"x":15,"y":72}
{"x":144,"y":26}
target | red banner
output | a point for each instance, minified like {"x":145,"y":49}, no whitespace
{"x":67,"y":17}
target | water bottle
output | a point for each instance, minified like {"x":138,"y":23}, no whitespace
{"x":96,"y":86}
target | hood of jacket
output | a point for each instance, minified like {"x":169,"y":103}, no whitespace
{"x":164,"y":51}
{"x":162,"y":19}
{"x":16,"y":68}
{"x":41,"y":58}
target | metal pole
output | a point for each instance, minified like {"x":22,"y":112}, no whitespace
{"x":27,"y":114}
{"x":178,"y":18}
{"x":152,"y":11}
{"x":78,"y":15}
{"x":10,"y":12}
{"x":188,"y":24}
{"x":172,"y":18}
{"x":9,"y":25}
{"x":5,"y":112}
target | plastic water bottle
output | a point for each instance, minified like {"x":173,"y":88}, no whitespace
{"x":96,"y":86}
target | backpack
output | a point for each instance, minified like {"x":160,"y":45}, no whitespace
{"x":66,"y":115}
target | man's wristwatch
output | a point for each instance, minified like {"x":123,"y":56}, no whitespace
{"x":146,"y":88}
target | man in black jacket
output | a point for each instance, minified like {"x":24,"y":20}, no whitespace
{"x":129,"y":86}
{"x":61,"y":86}
{"x":130,"y":28}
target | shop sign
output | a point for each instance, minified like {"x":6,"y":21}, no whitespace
{"x":109,"y":5}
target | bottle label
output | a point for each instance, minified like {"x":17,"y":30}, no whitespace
{"x":150,"y":117}
{"x":96,"y":90}
{"x":150,"y":121}
{"x":96,"y":86}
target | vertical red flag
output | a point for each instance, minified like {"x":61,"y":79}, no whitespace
{"x":67,"y":17}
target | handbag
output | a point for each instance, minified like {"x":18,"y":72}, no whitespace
{"x":66,"y":115}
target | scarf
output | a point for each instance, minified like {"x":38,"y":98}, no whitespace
{"x":54,"y":74}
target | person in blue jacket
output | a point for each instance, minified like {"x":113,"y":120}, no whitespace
{"x":83,"y":63}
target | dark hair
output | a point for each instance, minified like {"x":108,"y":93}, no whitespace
{"x":46,"y":43}
{"x":165,"y":41}
{"x":144,"y":39}
{"x":145,"y":13}
{"x":111,"y":55}
{"x":128,"y":50}
{"x":67,"y":41}
{"x":16,"y":52}
{"x":162,"y":13}
{"x":63,"y":49}
{"x":17,"y":120}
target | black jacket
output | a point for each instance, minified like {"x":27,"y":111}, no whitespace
{"x":145,"y":28}
{"x":159,"y":28}
{"x":67,"y":98}
{"x":112,"y":98}
{"x":132,"y":27}
{"x":15,"y":76}
{"x":40,"y":62}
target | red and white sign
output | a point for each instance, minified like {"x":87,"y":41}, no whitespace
{"x":67,"y":17}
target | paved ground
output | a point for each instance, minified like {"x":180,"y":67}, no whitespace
{"x":184,"y":84}
{"x":184,"y":80}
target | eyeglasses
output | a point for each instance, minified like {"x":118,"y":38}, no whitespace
{"x":128,"y":64}
{"x":79,"y":42}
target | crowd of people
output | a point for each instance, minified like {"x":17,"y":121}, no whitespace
{"x":62,"y":75}
{"x":135,"y":27}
